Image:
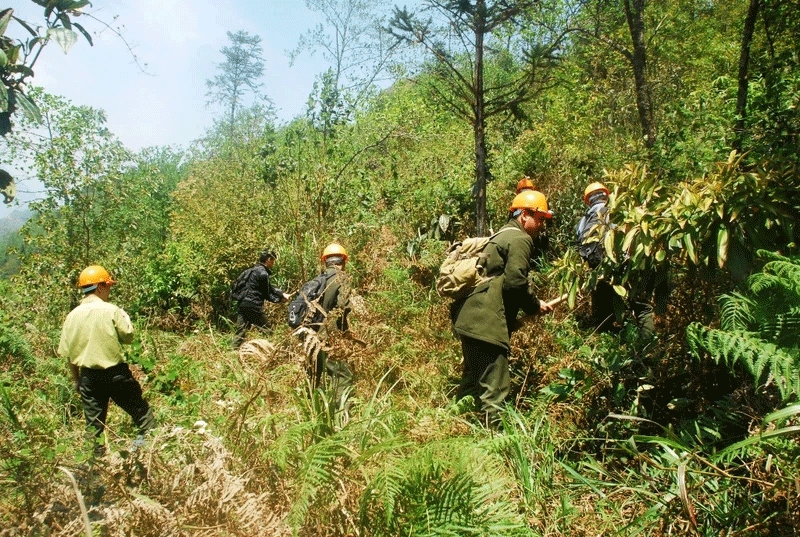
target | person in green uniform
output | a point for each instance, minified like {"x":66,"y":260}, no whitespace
{"x":91,"y":341}
{"x":335,"y":302}
{"x":485,"y":319}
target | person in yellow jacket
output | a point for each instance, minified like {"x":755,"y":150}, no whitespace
{"x":91,"y":341}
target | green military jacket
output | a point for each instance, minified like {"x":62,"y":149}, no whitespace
{"x":490,"y":312}
{"x":336,"y":298}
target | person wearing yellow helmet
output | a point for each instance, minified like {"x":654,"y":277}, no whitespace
{"x":485,"y":319}
{"x":327,"y":306}
{"x":605,"y":303}
{"x":251,"y":289}
{"x":91,"y":342}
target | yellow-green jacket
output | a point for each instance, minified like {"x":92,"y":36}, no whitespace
{"x":93,"y":334}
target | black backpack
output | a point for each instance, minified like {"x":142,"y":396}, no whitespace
{"x":591,"y":232}
{"x":309,"y":293}
{"x":239,"y":288}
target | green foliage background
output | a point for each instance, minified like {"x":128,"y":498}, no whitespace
{"x":604,"y":434}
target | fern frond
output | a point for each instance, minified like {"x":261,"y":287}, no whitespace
{"x":319,"y":469}
{"x":783,"y":329}
{"x":736,"y":311}
{"x":760,"y":358}
{"x":787,"y":270}
{"x":291,"y":442}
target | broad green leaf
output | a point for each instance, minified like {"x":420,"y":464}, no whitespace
{"x":3,"y":98}
{"x":3,"y":59}
{"x":26,"y":26}
{"x":687,"y":241}
{"x":65,"y":38}
{"x":75,"y":6}
{"x":84,"y":32}
{"x":28,"y":107}
{"x":5,"y":17}
{"x":621,"y":291}
{"x":661,"y":255}
{"x":629,"y":236}
{"x":722,"y":246}
{"x":608,"y":243}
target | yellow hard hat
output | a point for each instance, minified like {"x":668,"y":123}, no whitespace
{"x":92,"y":275}
{"x":591,"y":189}
{"x":525,"y":184}
{"x":334,"y":249}
{"x":532,"y":200}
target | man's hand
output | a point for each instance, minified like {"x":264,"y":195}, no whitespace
{"x":286,"y":297}
{"x":545,"y":307}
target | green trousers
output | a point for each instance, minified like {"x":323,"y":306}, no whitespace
{"x":485,"y":375}
{"x":333,"y":374}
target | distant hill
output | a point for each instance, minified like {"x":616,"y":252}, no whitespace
{"x":14,"y":221}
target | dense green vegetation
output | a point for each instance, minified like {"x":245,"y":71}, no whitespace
{"x":695,"y":433}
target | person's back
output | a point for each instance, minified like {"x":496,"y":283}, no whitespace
{"x":485,"y":319}
{"x":91,"y":341}
{"x":93,"y":333}
{"x":335,"y":302}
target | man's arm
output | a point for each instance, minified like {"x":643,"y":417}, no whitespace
{"x":122,"y":323}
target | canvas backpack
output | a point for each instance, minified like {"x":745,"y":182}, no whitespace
{"x":239,"y":288}
{"x":591,"y":232}
{"x":463,"y":268}
{"x":309,"y":294}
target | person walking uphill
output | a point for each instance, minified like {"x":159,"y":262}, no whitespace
{"x":251,"y":290}
{"x":329,"y":306}
{"x":485,"y":319}
{"x":91,"y":341}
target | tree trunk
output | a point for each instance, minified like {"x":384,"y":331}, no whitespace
{"x":634,"y":13}
{"x":479,"y":125}
{"x":744,"y":60}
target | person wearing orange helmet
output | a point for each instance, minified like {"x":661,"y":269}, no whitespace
{"x":485,"y":319}
{"x":331,"y":309}
{"x":526,"y":183}
{"x":541,"y":243}
{"x":91,"y":340}
{"x":590,"y":232}
{"x":251,"y":290}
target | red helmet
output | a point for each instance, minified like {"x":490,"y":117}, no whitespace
{"x":525,"y":184}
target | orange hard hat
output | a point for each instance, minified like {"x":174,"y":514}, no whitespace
{"x":592,"y":188}
{"x":532,"y":200}
{"x":94,"y":274}
{"x":334,"y":249}
{"x":525,"y":184}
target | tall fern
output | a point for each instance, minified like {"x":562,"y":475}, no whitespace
{"x":453,"y":488}
{"x":759,"y":327}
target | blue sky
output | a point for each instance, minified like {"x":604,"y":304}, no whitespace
{"x":179,"y":41}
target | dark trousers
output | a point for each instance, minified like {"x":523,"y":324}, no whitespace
{"x":246,"y":318}
{"x":334,"y":374}
{"x":485,"y":375}
{"x":606,"y":303}
{"x":98,"y":386}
